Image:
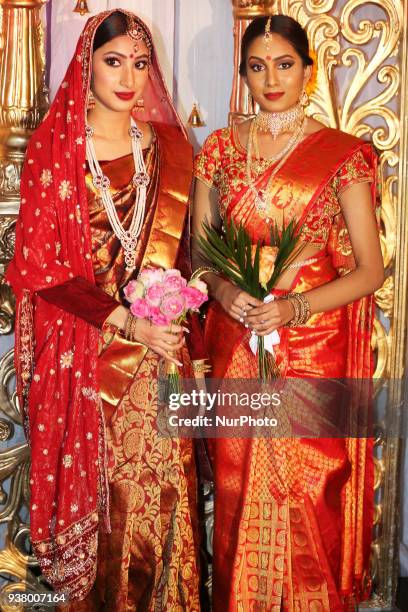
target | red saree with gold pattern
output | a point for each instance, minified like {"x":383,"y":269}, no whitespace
{"x":293,"y":517}
{"x":109,"y":499}
{"x":148,"y":560}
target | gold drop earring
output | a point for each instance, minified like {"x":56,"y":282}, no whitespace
{"x":91,"y":101}
{"x":139,"y":106}
{"x":304,"y":99}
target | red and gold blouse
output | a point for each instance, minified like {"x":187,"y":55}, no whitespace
{"x":221,"y":165}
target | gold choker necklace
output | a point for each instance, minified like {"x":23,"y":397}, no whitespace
{"x":276,"y":123}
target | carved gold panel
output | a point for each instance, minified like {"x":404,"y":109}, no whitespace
{"x":23,"y":101}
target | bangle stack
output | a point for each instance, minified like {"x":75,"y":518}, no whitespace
{"x":130,"y":327}
{"x":200,"y":365}
{"x":302,"y":309}
{"x":203,"y":270}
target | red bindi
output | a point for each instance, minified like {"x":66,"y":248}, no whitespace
{"x":131,"y":56}
{"x":268,"y":57}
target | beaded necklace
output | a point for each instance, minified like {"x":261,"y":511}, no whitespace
{"x":128,"y":238}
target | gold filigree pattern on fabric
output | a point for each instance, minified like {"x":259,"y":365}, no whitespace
{"x":221,"y":164}
{"x":24,"y":337}
{"x":153,"y":517}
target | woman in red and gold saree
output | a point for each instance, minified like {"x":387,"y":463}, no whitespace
{"x":112,"y":502}
{"x":293,"y":517}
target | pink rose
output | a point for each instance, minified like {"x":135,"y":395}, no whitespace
{"x":133,"y":290}
{"x":154,"y":294}
{"x":149,"y":276}
{"x":173,"y":280}
{"x":193,"y":297}
{"x":173,"y":305}
{"x":140,"y":308}
{"x":157,"y":317}
{"x":198,"y":284}
{"x":171,"y":272}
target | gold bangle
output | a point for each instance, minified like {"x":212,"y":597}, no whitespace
{"x":203,"y":270}
{"x":302,"y":309}
{"x":130,"y":328}
{"x":200,"y":365}
{"x":132,"y":335}
{"x":128,"y":324}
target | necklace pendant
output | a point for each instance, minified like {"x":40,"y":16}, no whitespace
{"x":141,"y":179}
{"x":275,"y":127}
{"x":129,"y":244}
{"x":260,"y":201}
{"x":260,"y":204}
{"x":130,"y":257}
{"x":135,"y":133}
{"x":89,"y":132}
{"x":101,"y":182}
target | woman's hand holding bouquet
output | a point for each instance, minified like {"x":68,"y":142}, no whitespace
{"x":250,"y":272}
{"x":163,"y":340}
{"x":160,"y":300}
{"x":262,"y":318}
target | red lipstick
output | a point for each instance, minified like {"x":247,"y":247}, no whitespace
{"x":274,"y":96}
{"x":123,"y":95}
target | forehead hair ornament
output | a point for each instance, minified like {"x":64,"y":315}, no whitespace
{"x":268,"y":35}
{"x":136,"y":32}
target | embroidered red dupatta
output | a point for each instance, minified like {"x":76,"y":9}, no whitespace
{"x":272,"y":546}
{"x":56,"y":352}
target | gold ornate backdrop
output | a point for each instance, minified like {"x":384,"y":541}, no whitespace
{"x":362,"y":88}
{"x":23,"y":101}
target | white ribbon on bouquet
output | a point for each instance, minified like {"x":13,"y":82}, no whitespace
{"x":270,"y":340}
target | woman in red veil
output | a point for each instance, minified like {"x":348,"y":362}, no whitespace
{"x":112,"y":502}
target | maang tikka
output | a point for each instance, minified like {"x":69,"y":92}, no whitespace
{"x":268,"y":35}
{"x":136,"y":32}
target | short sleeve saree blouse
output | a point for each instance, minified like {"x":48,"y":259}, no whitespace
{"x":221,"y":165}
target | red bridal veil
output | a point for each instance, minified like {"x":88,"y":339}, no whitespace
{"x":56,"y":352}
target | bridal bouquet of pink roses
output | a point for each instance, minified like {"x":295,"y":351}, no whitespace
{"x":164,"y":297}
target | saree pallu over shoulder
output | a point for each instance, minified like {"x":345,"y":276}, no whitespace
{"x":297,"y":186}
{"x":280,"y":543}
{"x":121,"y":360}
{"x":314,"y":164}
{"x":301,"y":181}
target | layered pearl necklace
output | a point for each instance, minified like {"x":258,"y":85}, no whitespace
{"x":128,"y":238}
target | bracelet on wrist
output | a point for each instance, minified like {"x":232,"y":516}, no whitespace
{"x":200,"y":365}
{"x":301,"y":307}
{"x":128,"y":323}
{"x":130,"y":328}
{"x":203,"y":270}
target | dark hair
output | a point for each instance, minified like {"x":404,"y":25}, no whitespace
{"x":283,"y":25}
{"x":114,"y":25}
{"x":117,"y":24}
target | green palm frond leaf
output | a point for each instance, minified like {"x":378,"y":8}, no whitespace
{"x":231,"y":253}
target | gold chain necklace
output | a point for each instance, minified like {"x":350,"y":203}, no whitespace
{"x":261,"y":196}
